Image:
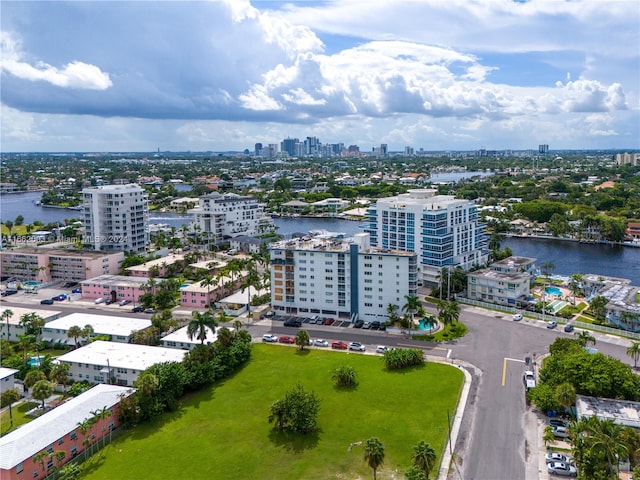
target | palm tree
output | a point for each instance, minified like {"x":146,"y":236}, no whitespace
{"x":39,"y":457}
{"x":199,"y":325}
{"x":634,"y":352}
{"x":60,"y":374}
{"x":25,"y":342}
{"x":102,"y":414}
{"x":548,"y":436}
{"x":32,"y":323}
{"x":392,"y":311}
{"x":424,"y":457}
{"x":546,"y":269}
{"x":302,"y":339}
{"x":411,"y":307}
{"x":7,"y":313}
{"x":9,"y":397}
{"x":604,"y":437}
{"x":42,"y":390}
{"x":566,"y":394}
{"x":448,"y":312}
{"x":32,"y":377}
{"x":225,"y":337}
{"x":208,"y":281}
{"x":74,"y":332}
{"x":237,"y":324}
{"x":374,"y":454}
{"x":84,"y":427}
{"x":584,"y":337}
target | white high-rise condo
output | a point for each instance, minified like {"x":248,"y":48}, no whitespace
{"x":116,"y":218}
{"x":337,"y":277}
{"x":442,"y":230}
{"x":226,"y":216}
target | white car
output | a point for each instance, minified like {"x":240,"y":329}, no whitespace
{"x":552,"y":324}
{"x":517,"y":317}
{"x":267,"y":337}
{"x":381,"y":349}
{"x":320,"y":343}
{"x":554,"y":457}
{"x":358,"y":347}
{"x":562,"y":469}
{"x":560,"y":432}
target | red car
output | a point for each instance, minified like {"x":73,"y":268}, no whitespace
{"x":286,"y":339}
{"x":339,"y":345}
{"x":328,"y":321}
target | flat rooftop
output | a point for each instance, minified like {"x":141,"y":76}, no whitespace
{"x":327,"y":242}
{"x":514,"y":261}
{"x":493,"y":274}
{"x":90,"y":254}
{"x":159,"y":262}
{"x":33,"y":437}
{"x":18,"y":312}
{"x":180,"y":336}
{"x":116,"y":280}
{"x":7,"y":372}
{"x":622,"y":412}
{"x":102,"y":324}
{"x":122,"y":355}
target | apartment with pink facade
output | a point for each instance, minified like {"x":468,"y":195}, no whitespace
{"x":117,"y":287}
{"x":52,"y":264}
{"x":57,"y":430}
{"x":201,"y":295}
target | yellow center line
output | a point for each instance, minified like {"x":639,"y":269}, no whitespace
{"x":504,"y":372}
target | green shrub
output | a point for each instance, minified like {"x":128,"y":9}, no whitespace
{"x":397,"y":358}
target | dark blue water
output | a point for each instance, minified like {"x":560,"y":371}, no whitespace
{"x":568,"y":257}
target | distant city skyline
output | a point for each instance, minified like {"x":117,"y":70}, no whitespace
{"x":226,"y":75}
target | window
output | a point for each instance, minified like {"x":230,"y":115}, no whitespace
{"x":73,"y":435}
{"x":19,"y":468}
{"x":61,"y":441}
{"x":35,"y":473}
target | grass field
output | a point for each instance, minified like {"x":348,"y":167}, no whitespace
{"x":19,"y":418}
{"x":223,"y":432}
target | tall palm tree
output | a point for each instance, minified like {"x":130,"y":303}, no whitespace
{"x":604,"y":437}
{"x":634,"y":352}
{"x":374,"y":454}
{"x":566,"y":394}
{"x":424,"y":457}
{"x":585,"y":337}
{"x":411,"y":307}
{"x":7,"y":313}
{"x":200,"y":324}
{"x":9,"y":397}
{"x":252,"y":279}
{"x":74,"y":332}
{"x":41,"y":391}
{"x":84,"y":427}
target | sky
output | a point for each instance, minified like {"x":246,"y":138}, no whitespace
{"x":127,"y":76}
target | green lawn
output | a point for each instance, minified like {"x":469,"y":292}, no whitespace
{"x":223,"y":432}
{"x":19,"y":418}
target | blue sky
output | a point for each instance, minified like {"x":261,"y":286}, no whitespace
{"x":224,"y":75}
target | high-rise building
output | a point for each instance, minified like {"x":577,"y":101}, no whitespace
{"x":543,"y":149}
{"x":116,"y":218}
{"x":290,"y":146}
{"x":257,"y":149}
{"x":340,"y":278}
{"x":230,"y":215}
{"x":442,"y":230}
{"x":628,"y":158}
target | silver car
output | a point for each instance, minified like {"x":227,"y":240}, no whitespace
{"x":358,"y":347}
{"x":562,"y":469}
{"x":320,"y":343}
{"x":554,"y":457}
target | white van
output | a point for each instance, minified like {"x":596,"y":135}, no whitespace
{"x":99,"y":301}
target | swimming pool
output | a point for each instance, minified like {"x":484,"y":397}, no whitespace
{"x":426,"y":324}
{"x":35,"y":361}
{"x":555,"y":291}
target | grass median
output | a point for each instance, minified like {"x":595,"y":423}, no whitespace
{"x":223,"y":432}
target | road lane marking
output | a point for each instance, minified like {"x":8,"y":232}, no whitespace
{"x":421,"y":347}
{"x":504,"y":367}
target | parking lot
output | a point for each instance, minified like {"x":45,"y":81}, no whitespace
{"x":326,"y":321}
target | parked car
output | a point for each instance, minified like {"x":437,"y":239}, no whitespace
{"x":562,"y":469}
{"x":60,"y":297}
{"x":558,"y":422}
{"x":319,"y":342}
{"x":560,"y":432}
{"x":568,"y":327}
{"x":6,"y":293}
{"x":356,"y":347}
{"x":286,"y":339}
{"x":76,"y":290}
{"x":98,"y":301}
{"x":292,"y":322}
{"x":109,"y":301}
{"x":46,"y":301}
{"x":358,"y":324}
{"x":552,"y":324}
{"x":149,"y":310}
{"x":366,"y":325}
{"x":268,"y":337}
{"x":375,"y":325}
{"x":328,"y":321}
{"x":269,"y":314}
{"x":381,"y":349}
{"x":70,"y":284}
{"x":122,"y":303}
{"x":138,"y":309}
{"x":529,"y":379}
{"x":553,"y":457}
{"x":517,"y":317}
{"x":339,"y":345}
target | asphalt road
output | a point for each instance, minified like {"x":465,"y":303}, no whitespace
{"x":492,"y":444}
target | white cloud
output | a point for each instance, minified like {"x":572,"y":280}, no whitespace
{"x":75,"y":74}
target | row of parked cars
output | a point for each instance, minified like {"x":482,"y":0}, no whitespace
{"x":320,"y":342}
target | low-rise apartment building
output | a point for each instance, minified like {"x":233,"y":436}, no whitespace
{"x":58,"y":431}
{"x":50,"y":265}
{"x":116,"y":287}
{"x":180,"y":339}
{"x":339,"y":277}
{"x":119,"y":329}
{"x":118,"y":363}
{"x":499,"y":287}
{"x":155,"y":268}
{"x":10,"y":328}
